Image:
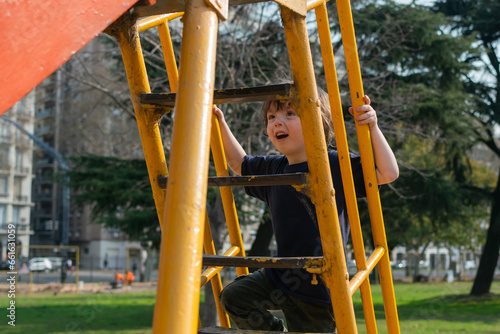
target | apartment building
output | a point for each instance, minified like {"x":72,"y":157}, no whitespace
{"x":73,"y":118}
{"x":16,"y":152}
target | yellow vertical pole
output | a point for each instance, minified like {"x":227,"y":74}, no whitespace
{"x":147,"y":122}
{"x":127,"y":259}
{"x":221,"y":169}
{"x":226,"y":192}
{"x":177,"y":300}
{"x":216,"y":280}
{"x":31,"y":283}
{"x":366,"y":152}
{"x":306,"y":103}
{"x":168,"y":56}
{"x":217,"y":150}
{"x":77,"y":268}
{"x":345,"y":162}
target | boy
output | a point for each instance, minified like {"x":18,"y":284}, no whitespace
{"x":307,"y":307}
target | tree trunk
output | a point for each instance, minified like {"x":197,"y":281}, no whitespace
{"x":489,"y":258}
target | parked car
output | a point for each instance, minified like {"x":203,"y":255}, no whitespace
{"x":56,"y":262}
{"x":403,"y":264}
{"x":470,"y":265}
{"x":423,"y":264}
{"x":399,"y":265}
{"x":40,"y":264}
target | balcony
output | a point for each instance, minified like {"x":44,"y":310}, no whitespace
{"x":42,"y":228}
{"x":44,"y":179}
{"x":24,"y":115}
{"x":22,"y":170}
{"x":5,"y":140}
{"x":21,"y":199}
{"x":45,"y":161}
{"x":46,"y":113}
{"x":43,"y":130}
{"x":20,"y":228}
{"x":23,"y":229}
{"x":46,"y":225}
{"x":42,"y":196}
{"x":23,"y":143}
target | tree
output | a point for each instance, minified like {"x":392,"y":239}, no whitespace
{"x":414,"y":70}
{"x":479,"y":20}
{"x":119,"y":193}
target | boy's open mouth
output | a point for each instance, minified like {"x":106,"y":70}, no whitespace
{"x":281,"y":135}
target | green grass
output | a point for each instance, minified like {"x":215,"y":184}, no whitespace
{"x":92,"y":313}
{"x":423,"y":308}
{"x":437,"y":308}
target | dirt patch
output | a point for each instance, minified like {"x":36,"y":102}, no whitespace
{"x":58,"y":288}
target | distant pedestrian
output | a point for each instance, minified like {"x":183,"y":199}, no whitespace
{"x":105,"y":263}
{"x":134,"y":267}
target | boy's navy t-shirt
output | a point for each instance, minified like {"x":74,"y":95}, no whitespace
{"x":294,"y":220}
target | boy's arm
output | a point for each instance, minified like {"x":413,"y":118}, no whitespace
{"x":385,"y":161}
{"x":232,"y":148}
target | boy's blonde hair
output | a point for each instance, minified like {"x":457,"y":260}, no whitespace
{"x":326,"y":116}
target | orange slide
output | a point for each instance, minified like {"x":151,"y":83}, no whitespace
{"x":39,"y":36}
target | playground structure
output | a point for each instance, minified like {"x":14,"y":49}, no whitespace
{"x":181,"y":197}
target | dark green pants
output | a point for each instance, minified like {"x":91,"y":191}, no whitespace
{"x":249,"y":298}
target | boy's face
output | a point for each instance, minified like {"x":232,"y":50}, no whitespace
{"x":285,"y":131}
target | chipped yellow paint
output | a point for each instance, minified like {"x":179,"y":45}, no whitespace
{"x":177,"y":300}
{"x":303,"y":98}
{"x":368,"y":164}
{"x":147,"y":120}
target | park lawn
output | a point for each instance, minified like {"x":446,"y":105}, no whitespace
{"x":437,"y":308}
{"x":125,"y":312}
{"x":423,"y":308}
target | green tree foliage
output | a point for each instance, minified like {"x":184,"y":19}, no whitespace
{"x":479,"y":21}
{"x":119,"y":193}
{"x":413,"y":69}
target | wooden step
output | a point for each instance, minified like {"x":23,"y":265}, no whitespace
{"x":262,"y":262}
{"x":249,"y":181}
{"x":225,"y":96}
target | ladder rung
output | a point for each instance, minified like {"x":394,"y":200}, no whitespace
{"x":262,"y":262}
{"x":223,"y":330}
{"x":224,"y":96}
{"x":249,"y":181}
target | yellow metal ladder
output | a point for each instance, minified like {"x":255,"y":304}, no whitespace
{"x":181,"y":199}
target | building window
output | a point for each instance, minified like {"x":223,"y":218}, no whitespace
{"x":19,"y":160}
{"x":4,"y":157}
{"x":18,"y":190}
{"x":4,"y":130}
{"x":4,"y":186}
{"x":3,"y":214}
{"x":16,"y":214}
